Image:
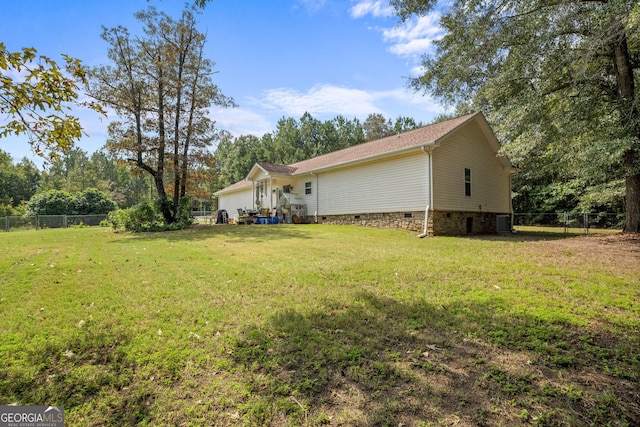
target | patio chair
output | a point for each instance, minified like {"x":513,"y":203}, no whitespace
{"x":243,"y":218}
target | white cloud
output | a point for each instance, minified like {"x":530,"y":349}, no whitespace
{"x":408,"y":103}
{"x":327,"y":101}
{"x":240,"y":121}
{"x":312,"y":6}
{"x":376,"y":8}
{"x":414,"y":37}
{"x":320,"y":99}
{"x":324,"y":102}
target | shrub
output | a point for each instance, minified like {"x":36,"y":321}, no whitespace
{"x":7,"y":209}
{"x":57,"y":202}
{"x":147,"y":217}
{"x":52,"y":202}
{"x":185,"y":216}
{"x":94,"y":201}
{"x":143,"y":217}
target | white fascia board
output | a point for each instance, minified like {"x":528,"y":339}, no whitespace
{"x":373,"y":157}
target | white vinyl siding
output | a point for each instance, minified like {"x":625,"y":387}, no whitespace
{"x":309,"y":200}
{"x":231,"y":202}
{"x":469,"y":149}
{"x":389,"y":185}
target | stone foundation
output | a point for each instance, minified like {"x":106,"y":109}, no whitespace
{"x":462,"y":223}
{"x":410,"y":221}
{"x":441,"y":223}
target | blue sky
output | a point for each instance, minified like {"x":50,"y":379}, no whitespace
{"x":276,"y":58}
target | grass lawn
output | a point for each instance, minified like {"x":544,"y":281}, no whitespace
{"x":303,"y":325}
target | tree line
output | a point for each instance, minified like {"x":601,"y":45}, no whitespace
{"x":23,"y":186}
{"x":295,"y":140}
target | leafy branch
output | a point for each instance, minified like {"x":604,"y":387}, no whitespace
{"x":36,"y":95}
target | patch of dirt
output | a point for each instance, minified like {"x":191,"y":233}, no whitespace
{"x":619,"y":252}
{"x":623,"y":245}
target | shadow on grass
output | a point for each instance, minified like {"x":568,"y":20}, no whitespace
{"x":232,"y":233}
{"x":75,"y":371}
{"x":381,"y":362}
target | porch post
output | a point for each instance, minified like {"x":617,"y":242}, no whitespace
{"x":270,"y":194}
{"x":253,"y":194}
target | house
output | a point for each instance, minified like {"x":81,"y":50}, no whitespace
{"x":450,"y":170}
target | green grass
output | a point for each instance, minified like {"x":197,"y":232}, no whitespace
{"x":317,"y":325}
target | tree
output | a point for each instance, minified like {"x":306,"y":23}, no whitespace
{"x":234,"y":158}
{"x":375,"y":127}
{"x":18,"y":182}
{"x":27,"y":180}
{"x":67,"y":172}
{"x":35,"y":92}
{"x":160,"y":86}
{"x":127,"y":184}
{"x":348,"y":133}
{"x":557,"y":79}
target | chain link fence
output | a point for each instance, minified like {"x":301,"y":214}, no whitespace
{"x":204,"y":217}
{"x":36,"y":222}
{"x":574,"y":222}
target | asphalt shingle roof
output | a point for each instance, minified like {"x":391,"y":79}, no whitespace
{"x":413,"y":138}
{"x":270,"y":167}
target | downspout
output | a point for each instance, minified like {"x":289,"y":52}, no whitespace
{"x":425,"y":232}
{"x":315,"y":214}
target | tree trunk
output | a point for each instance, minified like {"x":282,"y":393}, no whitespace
{"x":184,"y":170}
{"x":631,"y":120}
{"x":165,"y":206}
{"x":632,"y":196}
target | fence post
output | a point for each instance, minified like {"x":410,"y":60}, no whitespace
{"x":64,"y":221}
{"x":566,"y":222}
{"x":585,"y":217}
{"x":6,"y":223}
{"x":37,"y":222}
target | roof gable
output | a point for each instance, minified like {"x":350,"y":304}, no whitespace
{"x":269,"y":169}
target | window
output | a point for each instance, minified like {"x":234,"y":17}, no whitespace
{"x":307,"y":187}
{"x":467,"y":182}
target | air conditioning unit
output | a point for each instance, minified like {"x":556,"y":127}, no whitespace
{"x":503,"y":224}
